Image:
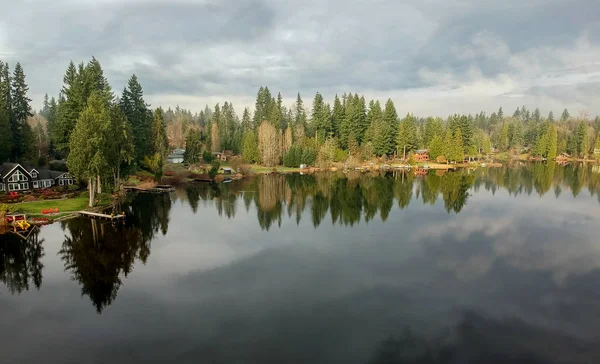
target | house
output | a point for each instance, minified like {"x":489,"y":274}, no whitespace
{"x":223,"y":156}
{"x":421,"y":155}
{"x":227,"y":170}
{"x":176,"y":156}
{"x":15,"y":177}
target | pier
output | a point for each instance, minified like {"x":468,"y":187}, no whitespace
{"x":96,"y":215}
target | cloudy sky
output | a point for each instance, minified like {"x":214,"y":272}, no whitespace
{"x":432,"y":57}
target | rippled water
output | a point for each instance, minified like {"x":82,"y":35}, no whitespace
{"x":482,"y":266}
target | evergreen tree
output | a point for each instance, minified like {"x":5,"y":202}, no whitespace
{"x":551,"y":117}
{"x":552,"y":142}
{"x":449,"y":145}
{"x":500,"y":113}
{"x":160,"y":141}
{"x":565,"y":115}
{"x":6,"y":138}
{"x":486,"y":145}
{"x":433,"y":127}
{"x":119,"y":145}
{"x":458,"y":147}
{"x":376,"y":133}
{"x":338,"y":116}
{"x":263,"y":107}
{"x":23,"y":140}
{"x":250,"y":152}
{"x":139,"y":117}
{"x":407,"y":134}
{"x":193,"y":147}
{"x":597,"y":147}
{"x":537,"y":115}
{"x":436,"y":147}
{"x":246,"y":121}
{"x":320,"y":119}
{"x":390,"y":127}
{"x":71,"y":103}
{"x":581,"y":140}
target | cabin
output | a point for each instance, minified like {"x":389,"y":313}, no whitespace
{"x":177,"y":156}
{"x":223,"y":156}
{"x":227,"y":170}
{"x":17,"y":178}
{"x":421,"y":155}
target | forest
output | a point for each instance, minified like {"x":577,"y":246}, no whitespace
{"x":104,"y":136}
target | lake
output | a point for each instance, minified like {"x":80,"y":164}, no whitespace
{"x":498,"y":265}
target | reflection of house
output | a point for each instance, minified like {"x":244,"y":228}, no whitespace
{"x":15,"y":177}
{"x":223,"y":156}
{"x":176,"y":156}
{"x":422,"y":155}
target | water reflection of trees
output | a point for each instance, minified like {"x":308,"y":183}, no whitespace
{"x":20,"y":261}
{"x":98,"y":254}
{"x":349,"y":197}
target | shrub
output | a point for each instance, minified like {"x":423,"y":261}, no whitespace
{"x":235,"y":162}
{"x":411,"y":159}
{"x":441,"y":159}
{"x":153,"y":163}
{"x":72,"y":188}
{"x":327,"y":153}
{"x":207,"y":156}
{"x":214,"y":169}
{"x":340,"y":155}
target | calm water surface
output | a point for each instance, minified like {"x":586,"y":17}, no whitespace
{"x":483,"y":266}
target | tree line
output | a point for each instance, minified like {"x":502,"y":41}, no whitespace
{"x":352,"y":128}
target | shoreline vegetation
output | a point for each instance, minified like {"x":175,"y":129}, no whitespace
{"x":111,"y":140}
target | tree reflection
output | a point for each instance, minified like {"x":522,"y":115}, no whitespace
{"x":352,"y":196}
{"x":97,"y":253}
{"x":20,"y":261}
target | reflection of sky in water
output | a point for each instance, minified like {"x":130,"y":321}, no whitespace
{"x":224,"y":290}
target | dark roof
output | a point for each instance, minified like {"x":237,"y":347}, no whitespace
{"x":6,"y":167}
{"x":48,"y":174}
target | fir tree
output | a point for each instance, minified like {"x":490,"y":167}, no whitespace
{"x":552,"y":142}
{"x":338,"y":116}
{"x":23,"y":140}
{"x":436,"y":147}
{"x":390,"y":127}
{"x":551,"y":117}
{"x":407,"y":134}
{"x":160,"y":141}
{"x":193,"y":147}
{"x":138,"y":116}
{"x":565,"y":115}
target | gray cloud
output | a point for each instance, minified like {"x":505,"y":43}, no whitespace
{"x":431,"y":57}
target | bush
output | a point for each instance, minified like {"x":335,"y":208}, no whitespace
{"x":340,"y":155}
{"x":235,"y":162}
{"x":214,"y":169}
{"x":411,"y":159}
{"x":72,"y":188}
{"x":441,"y":159}
{"x":207,"y":156}
{"x":153,"y":163}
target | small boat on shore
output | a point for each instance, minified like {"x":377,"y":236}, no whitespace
{"x":18,"y":222}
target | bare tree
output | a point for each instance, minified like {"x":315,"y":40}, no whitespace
{"x":269,"y":144}
{"x":215,"y":138}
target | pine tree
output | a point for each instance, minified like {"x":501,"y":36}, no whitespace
{"x":193,"y":147}
{"x":23,"y":140}
{"x":433,"y":127}
{"x":338,"y":116}
{"x":376,"y":133}
{"x":390,"y":127}
{"x":537,"y":115}
{"x":551,"y":117}
{"x":246,"y":121}
{"x":407,"y":134}
{"x":581,"y":140}
{"x":139,"y":117}
{"x":160,"y":141}
{"x":565,"y":115}
{"x":320,"y":119}
{"x":250,"y":152}
{"x":436,"y":147}
{"x":458,"y":147}
{"x":500,"y":113}
{"x":449,"y":145}
{"x":119,"y":143}
{"x":552,"y":142}
{"x":6,"y":138}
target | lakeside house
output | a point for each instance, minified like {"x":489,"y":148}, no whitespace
{"x":223,"y":156}
{"x":422,"y":155}
{"x":16,"y":178}
{"x":177,"y":156}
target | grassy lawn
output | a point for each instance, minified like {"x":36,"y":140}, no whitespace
{"x":64,"y":206}
{"x":262,"y":169}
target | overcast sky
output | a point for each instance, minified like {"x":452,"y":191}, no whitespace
{"x":432,"y":57}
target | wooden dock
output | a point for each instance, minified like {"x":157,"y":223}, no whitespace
{"x":96,"y":215}
{"x":156,"y":189}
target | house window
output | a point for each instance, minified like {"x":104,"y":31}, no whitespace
{"x":47,"y":183}
{"x":35,"y":184}
{"x":33,"y":175}
{"x":18,"y":186}
{"x":1,"y":186}
{"x":17,"y":177}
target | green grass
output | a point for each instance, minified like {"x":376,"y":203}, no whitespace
{"x":67,"y":205}
{"x":262,"y":169}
